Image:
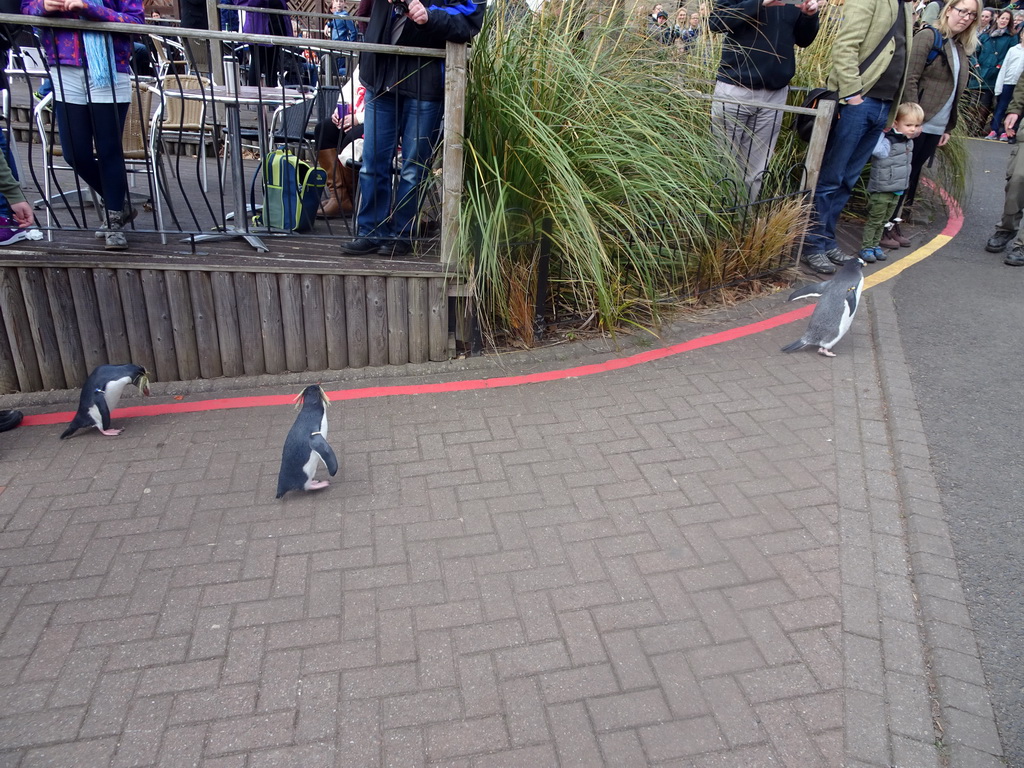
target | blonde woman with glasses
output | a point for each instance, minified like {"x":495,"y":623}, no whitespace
{"x":938,"y":75}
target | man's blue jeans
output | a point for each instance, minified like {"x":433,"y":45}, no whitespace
{"x":847,"y":152}
{"x":389,"y":120}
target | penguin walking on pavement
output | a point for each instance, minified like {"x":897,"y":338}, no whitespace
{"x":306,"y":446}
{"x":833,"y":315}
{"x":101,"y":393}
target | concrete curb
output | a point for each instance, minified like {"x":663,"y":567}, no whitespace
{"x":887,"y":706}
{"x":965,"y":721}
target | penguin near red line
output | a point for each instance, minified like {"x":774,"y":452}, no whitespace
{"x":306,"y":448}
{"x":834,"y":312}
{"x":101,"y":393}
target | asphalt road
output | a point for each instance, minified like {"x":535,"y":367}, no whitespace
{"x":961,"y":319}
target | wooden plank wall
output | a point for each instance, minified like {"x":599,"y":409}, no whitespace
{"x":59,"y":323}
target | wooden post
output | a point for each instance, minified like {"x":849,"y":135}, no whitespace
{"x":334,"y":318}
{"x":419,"y":314}
{"x":19,"y":331}
{"x":816,"y":152}
{"x":62,"y":310}
{"x":44,"y":332}
{"x":158,"y":310}
{"x":819,"y":137}
{"x":133,"y":301}
{"x":454,"y":124}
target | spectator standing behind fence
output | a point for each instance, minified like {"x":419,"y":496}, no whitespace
{"x":758,"y":61}
{"x":890,"y":175}
{"x":341,"y":29}
{"x":1009,"y":74}
{"x":264,"y":60}
{"x":404,"y":105}
{"x":992,"y":50}
{"x":193,"y":16}
{"x":92,"y":92}
{"x":870,"y":60}
{"x":687,"y":29}
{"x":936,"y":80}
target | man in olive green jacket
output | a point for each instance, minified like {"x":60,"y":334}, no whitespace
{"x":1013,"y":205}
{"x":867,"y":103}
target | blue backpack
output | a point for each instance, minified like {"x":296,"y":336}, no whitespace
{"x":293,"y":192}
{"x":936,"y":44}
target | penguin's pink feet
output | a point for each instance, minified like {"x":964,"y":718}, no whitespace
{"x":826,"y":352}
{"x":111,"y":432}
{"x":316,"y":485}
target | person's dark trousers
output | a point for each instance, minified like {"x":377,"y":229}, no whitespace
{"x":1002,"y":102}
{"x":329,"y":136}
{"x":849,"y":146}
{"x":390,"y":120}
{"x":5,"y":147}
{"x":263,"y":60}
{"x":80,"y":127}
{"x":925,"y":146}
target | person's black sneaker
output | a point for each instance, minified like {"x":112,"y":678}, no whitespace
{"x":819,"y":263}
{"x":395,"y":249}
{"x":361,"y":246}
{"x":9,"y":420}
{"x":998,"y":242}
{"x":1015,"y":257}
{"x":838,"y":257}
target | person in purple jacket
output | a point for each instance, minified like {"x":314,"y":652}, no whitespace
{"x":92,"y":91}
{"x":265,"y":59}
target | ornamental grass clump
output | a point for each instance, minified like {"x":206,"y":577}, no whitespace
{"x":579,"y":123}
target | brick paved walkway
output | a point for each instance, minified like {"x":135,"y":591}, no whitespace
{"x":695,"y":562}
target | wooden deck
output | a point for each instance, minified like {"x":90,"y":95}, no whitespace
{"x":189,"y":310}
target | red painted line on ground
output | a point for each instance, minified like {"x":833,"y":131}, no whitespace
{"x":953,"y":225}
{"x":955,"y":220}
{"x":448,"y":386}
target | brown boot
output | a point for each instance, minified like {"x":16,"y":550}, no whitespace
{"x":339,"y":186}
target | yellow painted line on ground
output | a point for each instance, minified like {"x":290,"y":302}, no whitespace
{"x":914,"y":257}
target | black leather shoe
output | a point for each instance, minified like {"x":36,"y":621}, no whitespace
{"x":396,"y":249}
{"x":998,"y":242}
{"x":9,"y":420}
{"x":361,"y":246}
{"x":1015,"y":258}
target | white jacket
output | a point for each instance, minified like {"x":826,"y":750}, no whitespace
{"x":1010,"y":71}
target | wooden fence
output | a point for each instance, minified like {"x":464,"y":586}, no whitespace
{"x":181,"y":324}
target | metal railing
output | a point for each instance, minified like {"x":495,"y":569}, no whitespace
{"x":194,"y":141}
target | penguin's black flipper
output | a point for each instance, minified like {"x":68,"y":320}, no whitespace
{"x":798,"y":344}
{"x":325,"y":452}
{"x":72,"y":428}
{"x":851,"y":301}
{"x":808,"y":291}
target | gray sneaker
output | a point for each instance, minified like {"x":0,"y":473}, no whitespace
{"x":127,"y":217}
{"x":819,"y":263}
{"x":837,"y":257}
{"x":1015,"y":258}
{"x":113,"y":237}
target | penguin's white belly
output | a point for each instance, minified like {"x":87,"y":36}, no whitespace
{"x":112,"y":392}
{"x":312,"y":464}
{"x":94,"y":414}
{"x":323,"y":425}
{"x":846,"y":319}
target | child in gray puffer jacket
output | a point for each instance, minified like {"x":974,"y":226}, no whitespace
{"x":890,"y":175}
